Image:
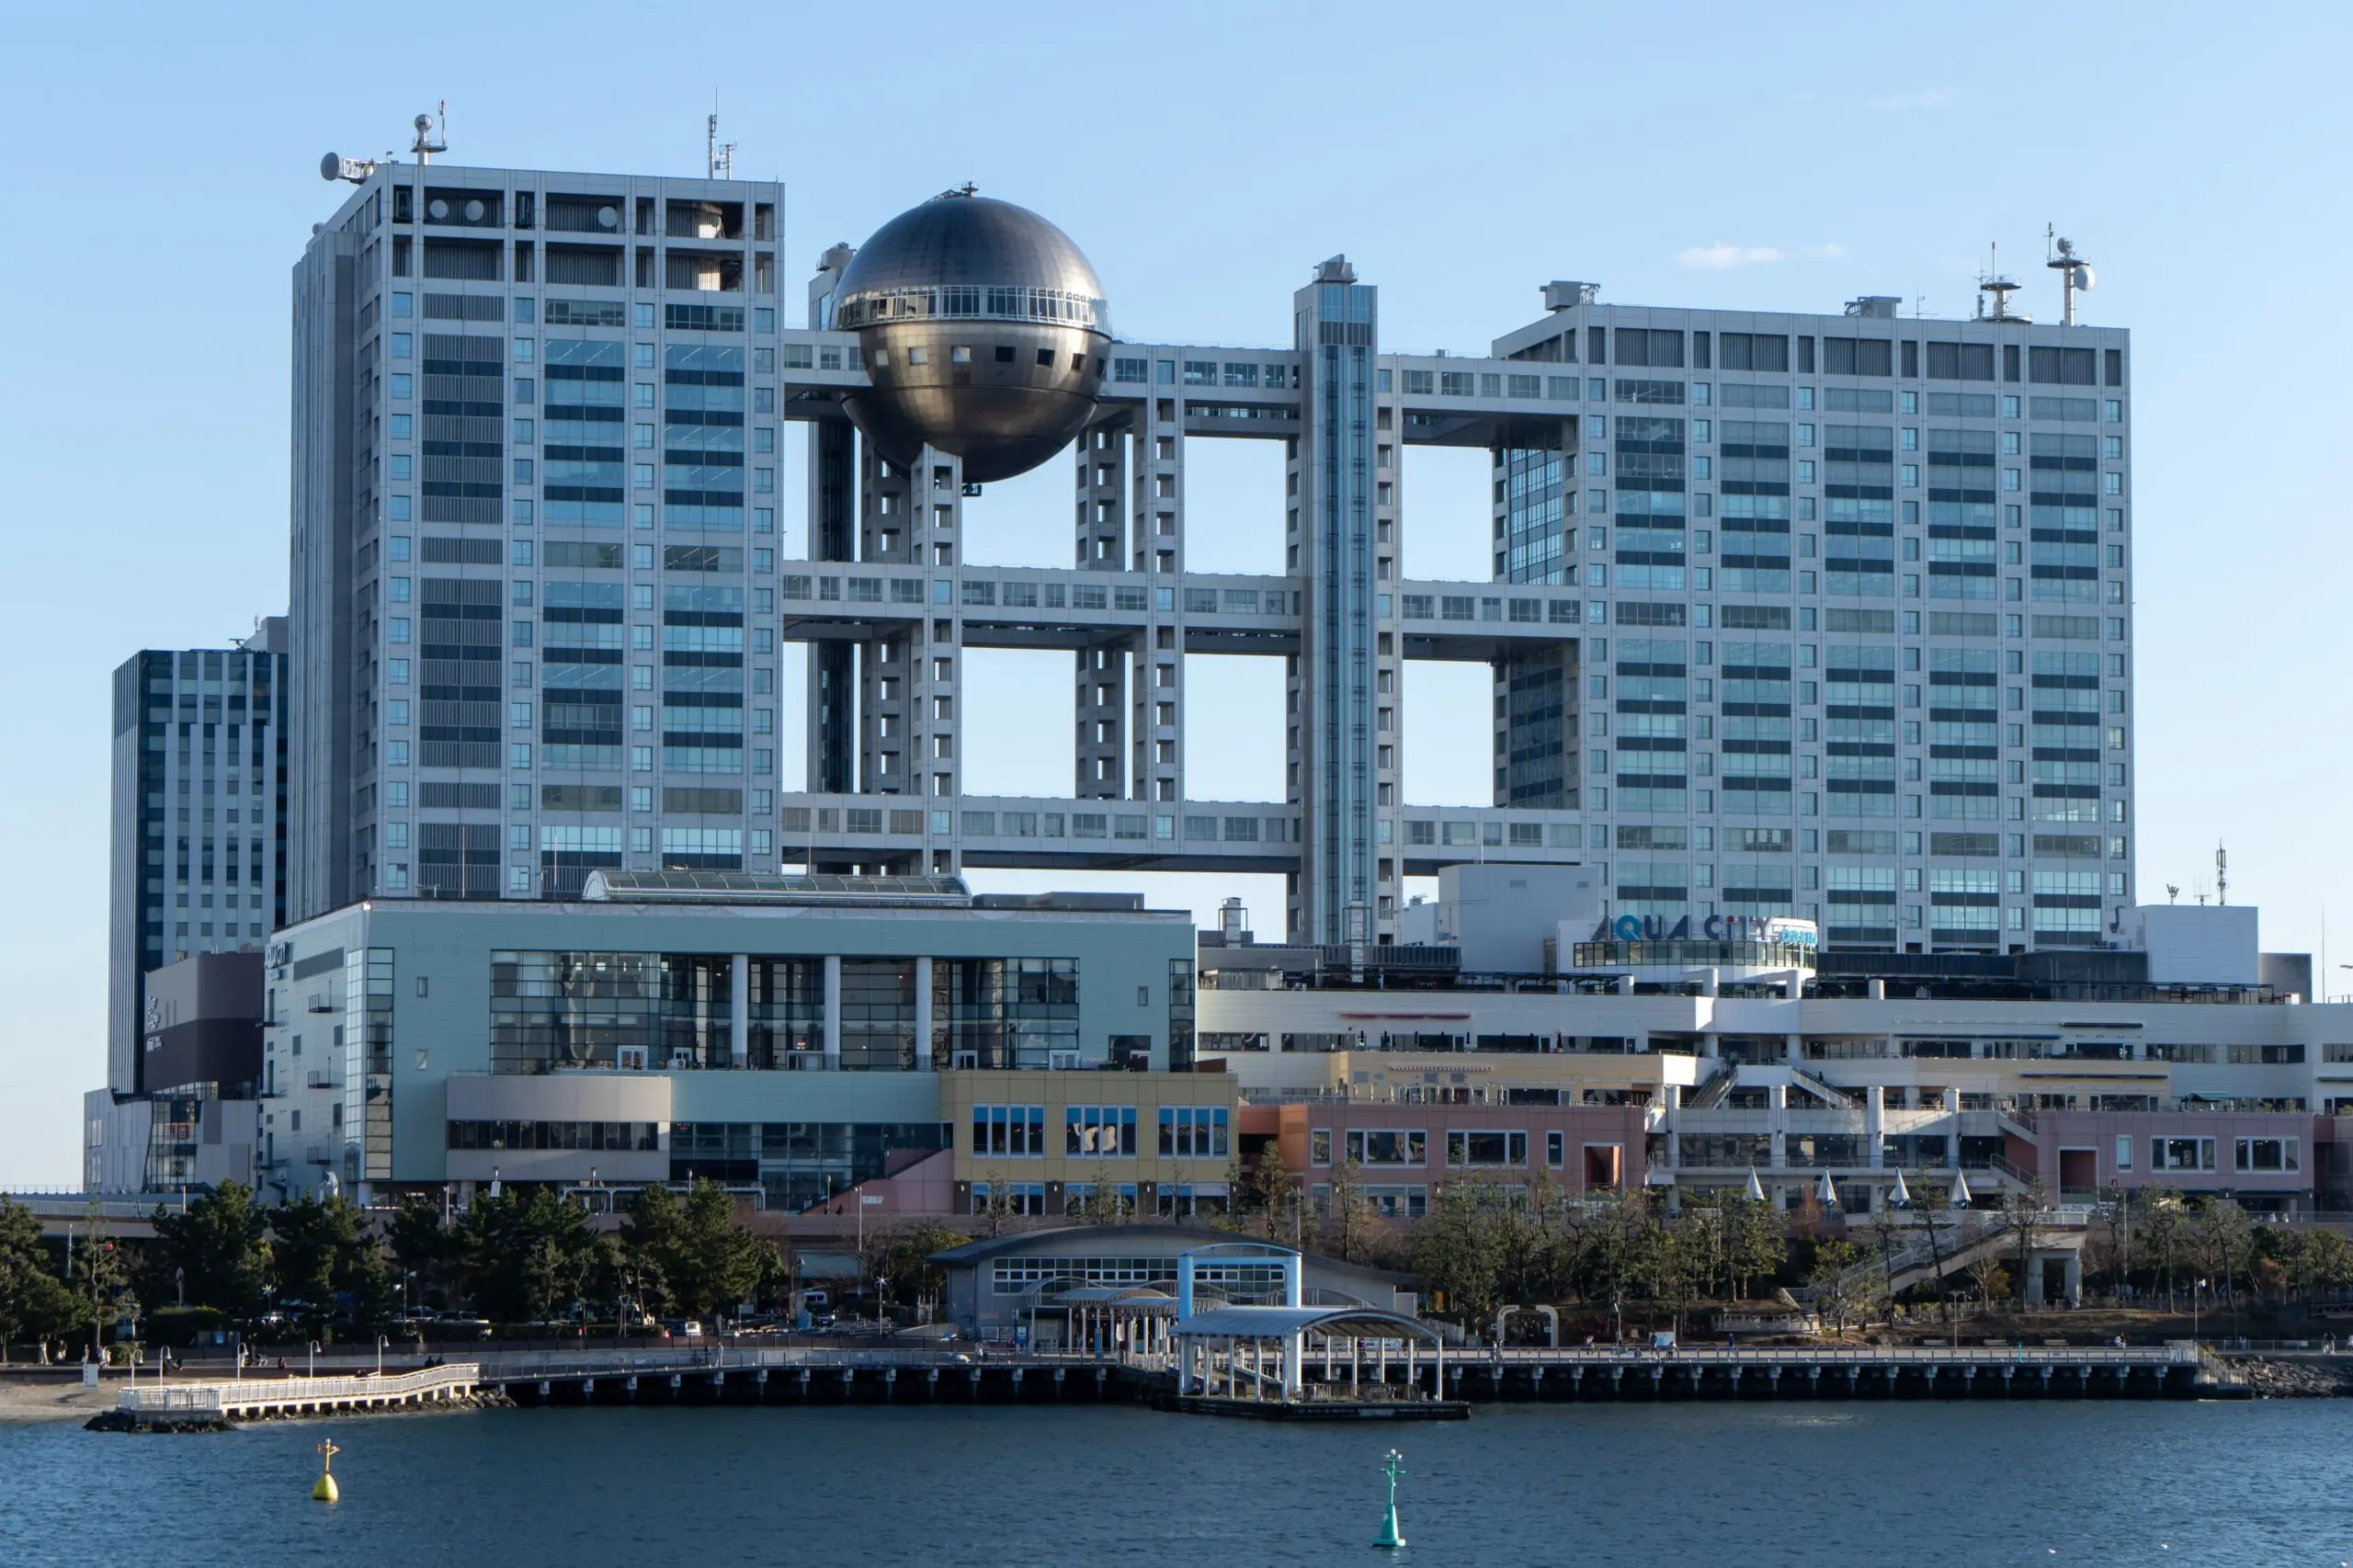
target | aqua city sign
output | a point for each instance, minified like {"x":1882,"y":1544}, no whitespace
{"x":1777,"y":929}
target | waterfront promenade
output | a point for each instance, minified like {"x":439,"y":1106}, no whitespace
{"x":808,"y":1375}
{"x":868,"y":1376}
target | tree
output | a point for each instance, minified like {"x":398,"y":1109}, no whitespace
{"x":1615,"y":1238}
{"x":2115,"y":1223}
{"x":1839,"y":1291}
{"x":2022,"y":1212}
{"x":995,"y":1213}
{"x":1272,"y":1202}
{"x":421,"y":1246}
{"x":214,"y":1248}
{"x":1104,"y":1203}
{"x":707,"y":1260}
{"x":2223,"y":1245}
{"x":1758,"y":1249}
{"x":324,"y":1255}
{"x":2318,"y":1260}
{"x":99,"y":1273}
{"x":1351,"y":1219}
{"x":2162,"y":1220}
{"x":902,"y":1266}
{"x":33,"y":1301}
{"x":1458,"y":1248}
{"x":1536,"y":1241}
{"x":1985,"y":1272}
{"x":525,"y":1256}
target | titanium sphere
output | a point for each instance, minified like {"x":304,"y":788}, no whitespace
{"x":984,"y":331}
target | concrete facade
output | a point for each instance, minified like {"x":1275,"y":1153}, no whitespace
{"x":572,"y":1035}
{"x":1820,"y":615}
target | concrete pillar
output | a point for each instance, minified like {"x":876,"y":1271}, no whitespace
{"x":1874,"y":1122}
{"x":923,"y":1014}
{"x":2075,"y":1279}
{"x":832,"y":1012}
{"x":1793,"y":1050}
{"x":739,"y":1012}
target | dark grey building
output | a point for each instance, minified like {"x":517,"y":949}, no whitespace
{"x":201,"y":1026}
{"x":199,"y":825}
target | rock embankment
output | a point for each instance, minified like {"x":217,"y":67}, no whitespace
{"x":2294,"y":1379}
{"x":175,"y":1421}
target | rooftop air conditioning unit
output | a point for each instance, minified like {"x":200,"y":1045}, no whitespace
{"x":965,"y":1060}
{"x":1063,"y":1060}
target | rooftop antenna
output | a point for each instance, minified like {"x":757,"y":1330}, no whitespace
{"x":2173,"y":893}
{"x":1991,"y":281}
{"x":2221,"y":877}
{"x":718,"y":157}
{"x":2075,"y":272}
{"x":432,"y":134}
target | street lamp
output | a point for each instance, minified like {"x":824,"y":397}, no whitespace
{"x":380,"y":1354}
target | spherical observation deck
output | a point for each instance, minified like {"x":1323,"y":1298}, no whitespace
{"x":984,"y":333}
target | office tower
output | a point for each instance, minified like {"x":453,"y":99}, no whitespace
{"x":1823,"y":616}
{"x":198,"y":821}
{"x":534,"y":511}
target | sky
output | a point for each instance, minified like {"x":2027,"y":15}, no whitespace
{"x":158,"y":168}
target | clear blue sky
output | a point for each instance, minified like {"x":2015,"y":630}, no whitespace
{"x":158,"y":171}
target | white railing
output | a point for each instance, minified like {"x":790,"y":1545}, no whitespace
{"x":224,"y":1397}
{"x":1987,"y":1354}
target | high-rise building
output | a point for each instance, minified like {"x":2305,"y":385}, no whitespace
{"x":1818,"y":615}
{"x":198,"y":824}
{"x":534,"y":532}
{"x":1813,"y":616}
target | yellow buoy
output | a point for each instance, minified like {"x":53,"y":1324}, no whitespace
{"x":326,"y":1491}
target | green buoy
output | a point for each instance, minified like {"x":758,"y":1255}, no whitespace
{"x":1389,"y":1537}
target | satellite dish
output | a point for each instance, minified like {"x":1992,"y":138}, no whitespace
{"x":474,"y":210}
{"x":608,"y":218}
{"x":331,"y":167}
{"x":436,"y":209}
{"x":2083,"y":278}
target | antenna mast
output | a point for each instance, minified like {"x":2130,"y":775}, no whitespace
{"x":2074,"y":273}
{"x":1991,"y":281}
{"x":2222,"y":877}
{"x":718,"y":157}
{"x":432,"y":134}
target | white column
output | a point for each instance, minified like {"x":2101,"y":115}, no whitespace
{"x":832,"y":1012}
{"x":1875,"y":1123}
{"x":739,"y":1013}
{"x":923,"y":1014}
